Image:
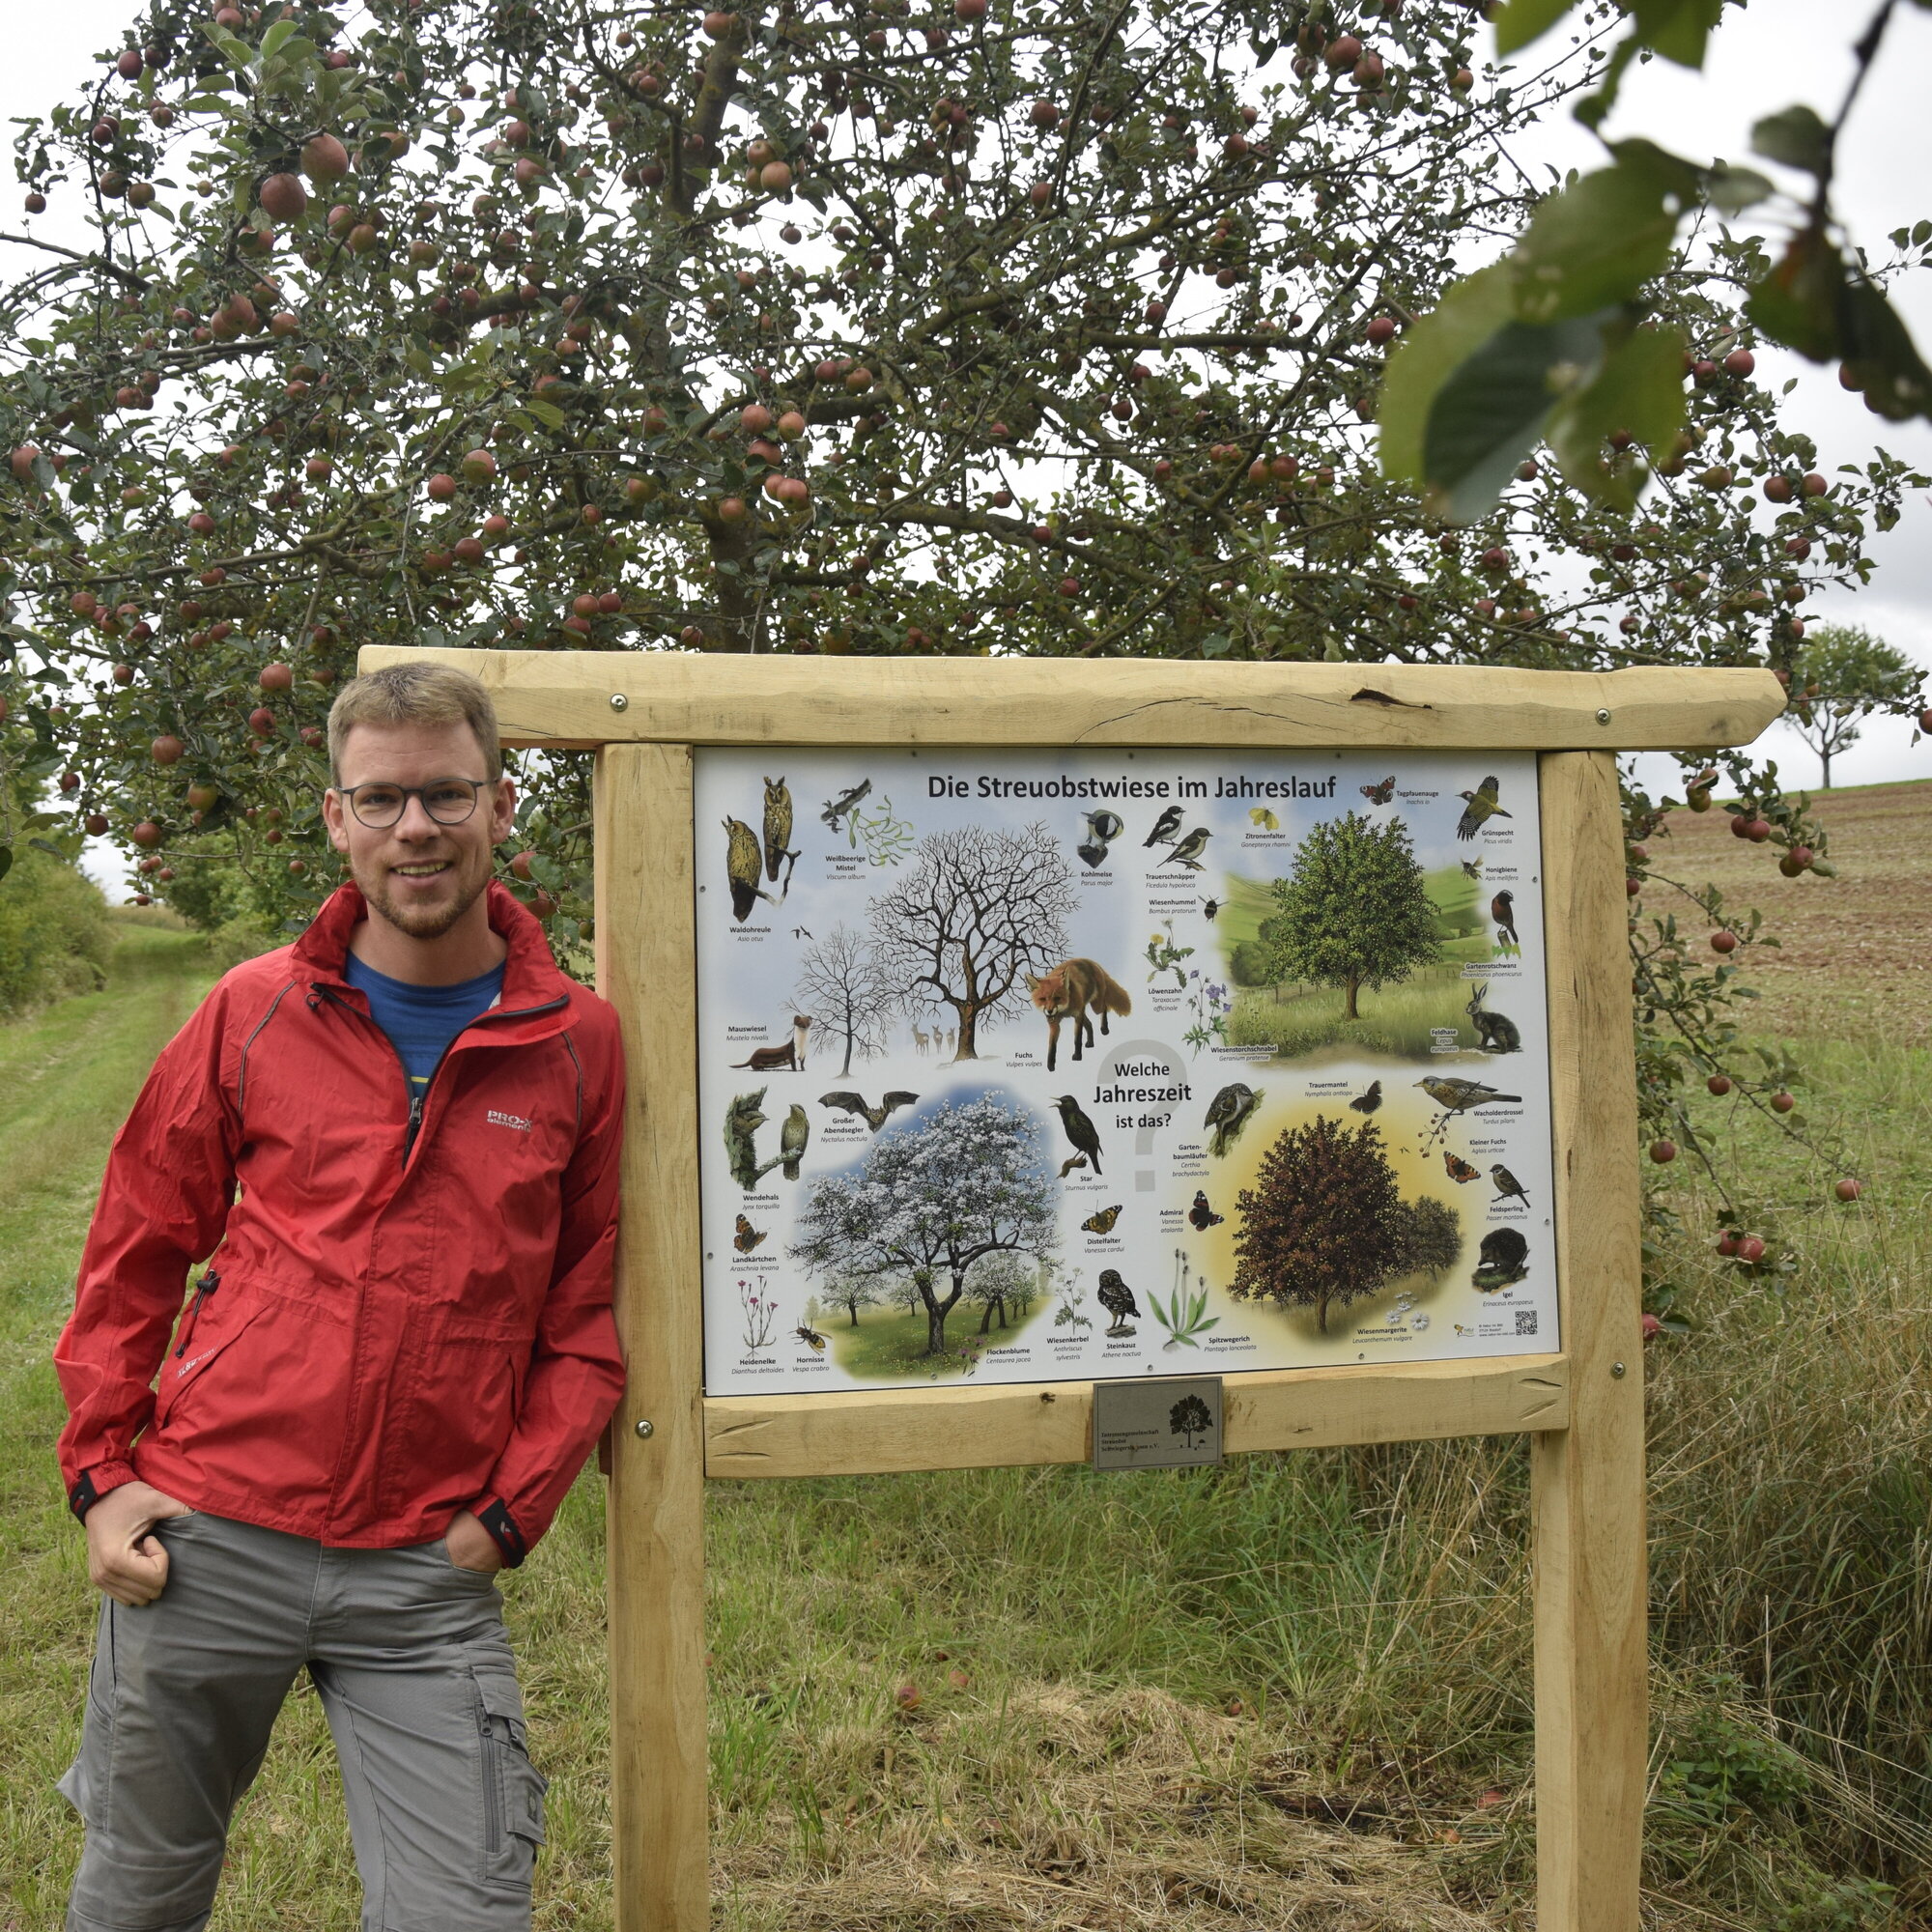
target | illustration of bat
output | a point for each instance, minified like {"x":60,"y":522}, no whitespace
{"x":748,"y":1236}
{"x":1165,"y":827}
{"x":1200,"y":1215}
{"x":838,"y":808}
{"x":874,"y":1118}
{"x":1102,"y":1223}
{"x":1460,"y":1171}
{"x":1380,"y":794}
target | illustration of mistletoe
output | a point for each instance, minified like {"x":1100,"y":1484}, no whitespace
{"x":886,"y":840}
{"x":1164,"y":957}
{"x":1183,"y":1316}
{"x":1210,"y":1005}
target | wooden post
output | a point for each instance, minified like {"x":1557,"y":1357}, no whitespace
{"x":1588,"y":1480}
{"x":647,"y":966}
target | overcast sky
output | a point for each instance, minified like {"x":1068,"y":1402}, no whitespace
{"x":1766,"y":56}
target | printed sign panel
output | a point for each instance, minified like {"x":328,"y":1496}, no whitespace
{"x":1023,"y":1066}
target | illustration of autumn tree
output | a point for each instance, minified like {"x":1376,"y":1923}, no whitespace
{"x":841,"y":986}
{"x":1323,"y":1223}
{"x":930,"y":1200}
{"x":982,"y":907}
{"x":1353,"y":910}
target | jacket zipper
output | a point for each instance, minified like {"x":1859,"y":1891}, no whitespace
{"x":210,"y":1281}
{"x":419,"y":1102}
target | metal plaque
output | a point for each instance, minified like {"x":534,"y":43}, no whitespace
{"x":1171,"y":1424}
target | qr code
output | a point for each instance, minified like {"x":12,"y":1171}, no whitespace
{"x":1525,"y":1321}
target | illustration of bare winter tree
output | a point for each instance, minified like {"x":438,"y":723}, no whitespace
{"x":843,"y":987}
{"x":981,"y":908}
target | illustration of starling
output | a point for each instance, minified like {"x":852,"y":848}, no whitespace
{"x":1165,"y":826}
{"x":748,"y":1236}
{"x":1188,"y":852}
{"x":1479,"y":804}
{"x":1508,"y":1185}
{"x":1102,"y":1222}
{"x":778,"y":828}
{"x":1200,"y":1215}
{"x":1366,"y":1103}
{"x":1118,"y":1299}
{"x":1460,"y":1171}
{"x":792,"y":1138}
{"x":742,"y":865}
{"x":1228,"y":1113}
{"x":1503,"y":1259}
{"x":1079,"y":1128}
{"x":874,"y":1118}
{"x":1502,"y":909}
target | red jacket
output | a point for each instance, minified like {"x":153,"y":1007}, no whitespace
{"x":400,"y":1319}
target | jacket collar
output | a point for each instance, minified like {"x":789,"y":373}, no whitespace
{"x":530,"y":975}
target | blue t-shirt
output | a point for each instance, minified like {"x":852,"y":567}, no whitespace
{"x":422,"y":1020}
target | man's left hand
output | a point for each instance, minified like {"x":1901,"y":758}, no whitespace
{"x":471,"y":1546}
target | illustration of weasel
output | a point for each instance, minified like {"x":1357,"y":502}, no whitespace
{"x":791,"y":1055}
{"x":1070,"y":988}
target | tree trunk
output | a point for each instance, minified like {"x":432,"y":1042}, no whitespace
{"x":845,"y":1070}
{"x":852,"y":1309}
{"x":1825,"y":758}
{"x":969,"y":1027}
{"x":1355,"y":987}
{"x":1321,"y":1312}
{"x":936,"y":1311}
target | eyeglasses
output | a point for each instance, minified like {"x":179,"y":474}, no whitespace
{"x":380,"y":805}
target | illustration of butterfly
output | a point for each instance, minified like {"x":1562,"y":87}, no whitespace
{"x":1459,"y":1170}
{"x":1102,"y":1223}
{"x":1380,"y":794}
{"x":748,"y":1236}
{"x":1200,"y":1215}
{"x":811,"y":1339}
{"x":1265,"y":818}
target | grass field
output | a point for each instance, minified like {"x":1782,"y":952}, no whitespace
{"x":1293,"y":1693}
{"x":889,"y":1344}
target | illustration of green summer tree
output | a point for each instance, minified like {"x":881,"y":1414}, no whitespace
{"x":981,"y":908}
{"x":1189,"y":1419}
{"x":1843,"y":676}
{"x":930,"y":1201}
{"x":1432,"y":1236}
{"x":1323,"y":1222}
{"x":1354,"y":912}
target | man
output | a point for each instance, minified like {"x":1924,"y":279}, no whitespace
{"x":393,"y":1146}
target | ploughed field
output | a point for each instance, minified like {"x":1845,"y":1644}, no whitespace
{"x":1294,"y":1692}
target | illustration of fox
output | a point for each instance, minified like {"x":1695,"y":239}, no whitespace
{"x":1071,"y":988}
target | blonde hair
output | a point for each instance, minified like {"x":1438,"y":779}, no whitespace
{"x":415,"y":694}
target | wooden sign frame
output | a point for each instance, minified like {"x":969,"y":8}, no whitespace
{"x":1581,"y":1407}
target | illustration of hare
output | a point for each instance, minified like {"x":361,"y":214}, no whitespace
{"x":1494,"y":1033}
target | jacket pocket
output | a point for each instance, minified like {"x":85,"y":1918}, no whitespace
{"x":513,"y":1787}
{"x":215,"y":1327}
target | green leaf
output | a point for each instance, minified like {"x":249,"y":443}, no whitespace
{"x":276,"y":38}
{"x":1730,"y":190}
{"x":1797,"y":303}
{"x":1524,"y":20}
{"x":1436,"y":346}
{"x":1491,"y":413}
{"x":1599,"y":240}
{"x":1880,"y":356}
{"x":547,"y":413}
{"x":1677,"y":29}
{"x":1639,"y":389}
{"x":1797,"y":137}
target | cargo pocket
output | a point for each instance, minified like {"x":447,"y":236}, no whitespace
{"x":513,"y":1787}
{"x":85,"y":1783}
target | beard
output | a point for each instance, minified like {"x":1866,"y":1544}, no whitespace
{"x":424,"y":922}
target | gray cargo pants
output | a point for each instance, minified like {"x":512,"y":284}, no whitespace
{"x":409,"y":1658}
